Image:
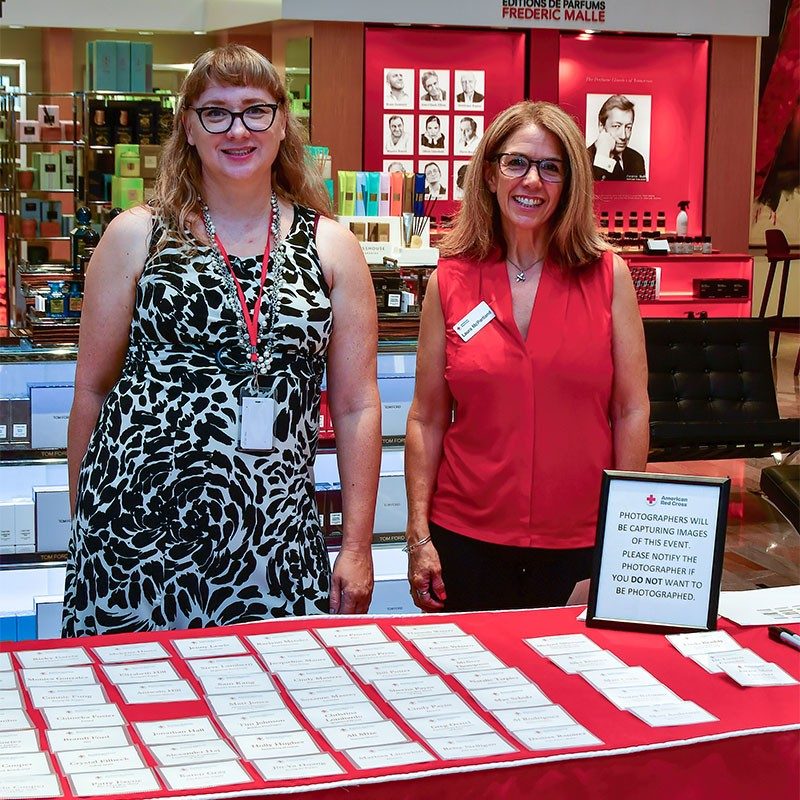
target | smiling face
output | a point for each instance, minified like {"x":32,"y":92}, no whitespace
{"x":238,"y":154}
{"x":619,"y":124}
{"x":526,"y":203}
{"x":396,"y":80}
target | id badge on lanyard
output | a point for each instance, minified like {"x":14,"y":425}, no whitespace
{"x":257,"y":417}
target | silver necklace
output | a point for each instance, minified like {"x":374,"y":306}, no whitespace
{"x":277,"y":255}
{"x":522,"y":273}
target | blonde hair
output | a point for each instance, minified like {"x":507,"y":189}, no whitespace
{"x":176,"y":198}
{"x":574,"y":238}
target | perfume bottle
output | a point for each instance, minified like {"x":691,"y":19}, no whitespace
{"x":82,"y":235}
{"x":54,"y":302}
{"x":123,"y":132}
{"x":100,"y":132}
{"x":74,"y":299}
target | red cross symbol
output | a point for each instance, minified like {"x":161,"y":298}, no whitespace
{"x":650,"y":499}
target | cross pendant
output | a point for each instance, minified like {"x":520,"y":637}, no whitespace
{"x":520,"y":278}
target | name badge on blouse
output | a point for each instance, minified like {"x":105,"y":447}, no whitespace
{"x":256,"y":421}
{"x":478,"y":318}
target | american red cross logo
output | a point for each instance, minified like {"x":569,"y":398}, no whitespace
{"x":650,"y":499}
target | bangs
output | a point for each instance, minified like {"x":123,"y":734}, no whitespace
{"x":233,"y":65}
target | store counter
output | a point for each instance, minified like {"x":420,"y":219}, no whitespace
{"x":334,"y":722}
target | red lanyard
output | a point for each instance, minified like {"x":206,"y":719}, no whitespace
{"x":250,"y":320}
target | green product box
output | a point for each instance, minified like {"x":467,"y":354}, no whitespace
{"x":126,"y":192}
{"x":129,"y":167}
{"x":124,"y":151}
{"x":48,"y":165}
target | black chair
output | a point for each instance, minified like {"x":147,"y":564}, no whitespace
{"x":777,"y":251}
{"x":712,"y":393}
{"x":781,"y":485}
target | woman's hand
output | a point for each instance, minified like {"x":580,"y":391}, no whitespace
{"x":352,"y":582}
{"x":425,"y":577}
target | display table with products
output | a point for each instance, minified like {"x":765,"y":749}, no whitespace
{"x":264,"y":714}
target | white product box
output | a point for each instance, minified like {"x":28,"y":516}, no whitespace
{"x":48,"y":616}
{"x":52,"y":518}
{"x":50,"y":407}
{"x":391,"y":508}
{"x":24,"y":525}
{"x":8,"y":538}
{"x":396,"y":395}
{"x":392,"y":596}
{"x":27,"y":130}
{"x":48,"y":116}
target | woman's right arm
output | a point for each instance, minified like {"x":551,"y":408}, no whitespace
{"x":428,"y":419}
{"x":109,"y":294}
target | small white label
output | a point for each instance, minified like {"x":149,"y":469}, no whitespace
{"x":478,"y":318}
{"x":256,"y":423}
{"x":336,"y":518}
{"x":19,"y":431}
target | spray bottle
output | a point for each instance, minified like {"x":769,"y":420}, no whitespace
{"x":682,"y":220}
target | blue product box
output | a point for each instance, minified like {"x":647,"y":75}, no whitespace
{"x":123,"y":66}
{"x":88,"y":75}
{"x":30,"y":208}
{"x":141,"y":67}
{"x":105,"y":66}
{"x":8,"y":626}
{"x":26,"y":626}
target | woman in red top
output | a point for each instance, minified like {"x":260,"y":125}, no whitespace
{"x":531,"y":378}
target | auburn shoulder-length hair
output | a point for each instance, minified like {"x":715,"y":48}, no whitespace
{"x":574,"y":238}
{"x":176,"y":198}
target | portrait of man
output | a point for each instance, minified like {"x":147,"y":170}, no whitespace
{"x":467,"y":135}
{"x":471,"y":84}
{"x":433,"y":88}
{"x":399,"y":129}
{"x":435,"y":178}
{"x":398,"y":166}
{"x":434,"y":134}
{"x":398,"y":82}
{"x":613,"y":158}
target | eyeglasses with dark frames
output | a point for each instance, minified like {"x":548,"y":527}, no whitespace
{"x":256,"y":119}
{"x":516,"y":165}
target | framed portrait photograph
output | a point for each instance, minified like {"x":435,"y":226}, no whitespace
{"x":434,"y":134}
{"x":398,"y":133}
{"x":618,"y":136}
{"x":459,"y":173}
{"x":436,"y":175}
{"x":467,"y":132}
{"x":470,"y":88}
{"x":434,"y":89}
{"x":397,"y":165}
{"x":398,"y":88}
{"x":659,"y":550}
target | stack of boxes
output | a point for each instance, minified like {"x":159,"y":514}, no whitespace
{"x":119,"y":66}
{"x":135,"y":169}
{"x":47,"y":127}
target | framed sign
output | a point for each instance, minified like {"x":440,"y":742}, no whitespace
{"x":658,"y":555}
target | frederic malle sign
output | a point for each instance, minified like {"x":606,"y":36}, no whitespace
{"x":660,"y":543}
{"x":585,"y":11}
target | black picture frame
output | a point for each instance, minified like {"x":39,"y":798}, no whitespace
{"x":714,"y":580}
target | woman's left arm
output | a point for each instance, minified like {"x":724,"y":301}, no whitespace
{"x":630,"y":405}
{"x":355,"y":410}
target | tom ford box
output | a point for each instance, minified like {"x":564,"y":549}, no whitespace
{"x":7,"y":535}
{"x":24,"y":525}
{"x":396,"y":389}
{"x":48,"y":609}
{"x":20,"y":420}
{"x":50,"y":407}
{"x":391,"y":510}
{"x":52,"y":518}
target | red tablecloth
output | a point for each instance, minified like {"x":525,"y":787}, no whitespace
{"x":752,"y":752}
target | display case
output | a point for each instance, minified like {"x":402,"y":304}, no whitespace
{"x":700,"y":286}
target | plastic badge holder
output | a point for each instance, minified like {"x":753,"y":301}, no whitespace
{"x":475,"y":746}
{"x":34,"y":786}
{"x":235,"y":684}
{"x":373,"y":734}
{"x":16,"y":742}
{"x":143,"y":672}
{"x":308,"y":679}
{"x":59,"y":676}
{"x":59,"y":741}
{"x":538,"y":717}
{"x":277,"y":745}
{"x":14,"y":719}
{"x":401,"y":688}
{"x":245,"y":703}
{"x":285,"y":642}
{"x":104,"y":715}
{"x":524,"y":695}
{"x":209,"y":647}
{"x":114,"y":784}
{"x":354,"y":714}
{"x":56,"y":657}
{"x":368,"y":673}
{"x":179,"y":691}
{"x":205,"y":776}
{"x":168,"y":755}
{"x":434,"y":630}
{"x":491,"y":678}
{"x":125,"y":653}
{"x":451,"y":645}
{"x":8,"y":681}
{"x":351,"y":635}
{"x":5,"y":662}
{"x":69,"y":696}
{"x":227,"y":665}
{"x":104,"y":759}
{"x":174,"y":731}
{"x":392,"y":755}
{"x":438,"y":705}
{"x":259,"y":723}
{"x":358,"y":654}
{"x":316,"y":765}
{"x":327,"y":696}
{"x":297,"y":660}
{"x":466,"y":662}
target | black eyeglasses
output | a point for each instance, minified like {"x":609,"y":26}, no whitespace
{"x":516,"y":165}
{"x":256,"y":119}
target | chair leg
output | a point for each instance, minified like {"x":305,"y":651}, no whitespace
{"x":781,"y":304}
{"x":768,"y":287}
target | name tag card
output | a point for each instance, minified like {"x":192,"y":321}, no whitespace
{"x":574,"y":663}
{"x":104,"y":715}
{"x":435,"y":630}
{"x":23,"y":765}
{"x":57,"y":657}
{"x":172,"y":731}
{"x":276,"y":745}
{"x":559,"y":645}
{"x":167,"y":692}
{"x":666,"y":715}
{"x":13,"y":742}
{"x":237,"y":684}
{"x":328,"y":696}
{"x":632,"y":696}
{"x":357,"y":714}
{"x":193,"y":753}
{"x":204,"y":776}
{"x":90,"y":739}
{"x":123,"y":653}
{"x":128,"y":781}
{"x":35,"y":786}
{"x":717,"y":662}
{"x":350,"y":635}
{"x":344,"y":737}
{"x":450,"y":646}
{"x":521,"y":719}
{"x":245,"y":703}
{"x":372,"y":653}
{"x":297,"y":660}
{"x":467,"y":723}
{"x":10,"y":699}
{"x":8,"y":682}
{"x":283,"y":642}
{"x":145,"y":672}
{"x":467,"y":662}
{"x":14,"y":719}
{"x":658,"y":557}
{"x":474,"y":321}
{"x":490,"y":678}
{"x":520,"y":696}
{"x":692,"y":644}
{"x":107,"y":759}
{"x":335,"y":676}
{"x":233,"y":665}
{"x":287,"y":769}
{"x":440,"y":705}
{"x":394,"y":669}
{"x":59,"y":676}
{"x":619,"y":678}
{"x":478,"y":746}
{"x":210,"y":646}
{"x":260,"y":722}
{"x":767,"y":674}
{"x":393,"y":755}
{"x":51,"y":696}
{"x":411,"y":687}
{"x":557,"y":738}
{"x":5,"y":662}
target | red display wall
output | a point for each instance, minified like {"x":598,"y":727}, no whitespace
{"x":666,"y":79}
{"x":491,"y":63}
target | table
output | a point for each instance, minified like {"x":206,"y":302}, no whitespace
{"x":753,"y":751}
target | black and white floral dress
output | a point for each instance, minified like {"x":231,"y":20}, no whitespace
{"x":175,"y":528}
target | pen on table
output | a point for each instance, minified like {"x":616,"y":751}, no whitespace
{"x":785,"y":636}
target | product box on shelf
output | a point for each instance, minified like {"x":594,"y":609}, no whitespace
{"x":129,"y":167}
{"x":30,"y":208}
{"x":376,"y":235}
{"x":49,"y":168}
{"x":27,"y":130}
{"x":24,"y":525}
{"x":71,"y":163}
{"x":52,"y":518}
{"x":48,"y":116}
{"x":126,"y":192}
{"x":26,"y":626}
{"x":121,"y":151}
{"x":5,"y":421}
{"x":141,"y":67}
{"x":70,"y":130}
{"x":721,"y":288}
{"x":103,"y":60}
{"x":390,"y":509}
{"x":48,"y":610}
{"x":8,"y":539}
{"x":20,"y":420}
{"x":123,"y":66}
{"x":149,"y":158}
{"x":50,"y":407}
